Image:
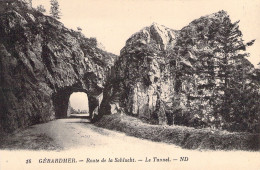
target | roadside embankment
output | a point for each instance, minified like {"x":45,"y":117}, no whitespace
{"x":186,"y":137}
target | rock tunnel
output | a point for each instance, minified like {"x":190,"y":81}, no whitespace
{"x":61,"y":101}
{"x":41,"y":64}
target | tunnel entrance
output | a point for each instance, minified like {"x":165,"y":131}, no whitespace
{"x":61,"y":101}
{"x":78,"y":105}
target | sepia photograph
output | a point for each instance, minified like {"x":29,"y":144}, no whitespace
{"x":129,"y":84}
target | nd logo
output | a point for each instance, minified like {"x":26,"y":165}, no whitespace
{"x":184,"y":158}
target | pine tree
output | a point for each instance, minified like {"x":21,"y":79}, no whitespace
{"x":41,"y":8}
{"x":55,"y":9}
{"x":229,"y":61}
{"x":224,"y":94}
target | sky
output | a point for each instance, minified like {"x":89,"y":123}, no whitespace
{"x":112,"y":22}
{"x":79,"y":100}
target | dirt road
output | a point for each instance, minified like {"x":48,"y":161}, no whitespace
{"x":78,"y":138}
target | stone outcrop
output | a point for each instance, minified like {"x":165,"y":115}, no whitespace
{"x":41,"y":64}
{"x":143,"y":82}
{"x":170,"y":76}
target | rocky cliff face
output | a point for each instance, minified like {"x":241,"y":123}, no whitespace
{"x":41,"y":64}
{"x":167,"y":76}
{"x":146,"y":74}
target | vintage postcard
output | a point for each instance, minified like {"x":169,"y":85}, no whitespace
{"x":129,"y":84}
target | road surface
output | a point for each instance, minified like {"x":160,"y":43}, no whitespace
{"x":78,"y":138}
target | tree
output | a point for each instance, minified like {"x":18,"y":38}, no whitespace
{"x":230,"y":61}
{"x":93,"y":41}
{"x":224,"y":93}
{"x":55,"y":9}
{"x":41,"y":8}
{"x":79,"y":29}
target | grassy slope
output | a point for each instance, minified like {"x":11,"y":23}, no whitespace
{"x":185,"y":137}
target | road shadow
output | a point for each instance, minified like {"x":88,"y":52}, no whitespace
{"x":84,"y":122}
{"x":80,"y":116}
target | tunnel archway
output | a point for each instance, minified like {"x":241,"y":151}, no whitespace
{"x":61,"y":101}
{"x":78,"y":105}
